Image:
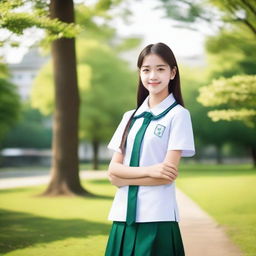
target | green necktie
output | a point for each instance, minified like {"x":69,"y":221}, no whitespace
{"x":135,"y":156}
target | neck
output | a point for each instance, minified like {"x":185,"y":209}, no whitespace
{"x":155,"y":99}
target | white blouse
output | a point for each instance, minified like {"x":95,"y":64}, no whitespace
{"x":172,"y":132}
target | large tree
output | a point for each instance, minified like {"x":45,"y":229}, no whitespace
{"x":60,"y":27}
{"x":65,"y":172}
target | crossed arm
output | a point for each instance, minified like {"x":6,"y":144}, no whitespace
{"x":158,"y":174}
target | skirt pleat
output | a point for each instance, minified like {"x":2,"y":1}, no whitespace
{"x":115,"y":239}
{"x":145,"y":239}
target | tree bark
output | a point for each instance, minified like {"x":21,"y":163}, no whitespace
{"x":65,"y":164}
{"x":95,"y":147}
{"x":219,"y":154}
{"x":254,"y":156}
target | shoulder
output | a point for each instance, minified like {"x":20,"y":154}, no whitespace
{"x":179,"y":109}
{"x":128,"y":114}
{"x":180,"y":112}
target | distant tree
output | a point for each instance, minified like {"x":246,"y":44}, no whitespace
{"x":105,"y":82}
{"x":30,"y":131}
{"x":237,"y":94}
{"x":111,"y":93}
{"x":4,"y":72}
{"x":207,"y":132}
{"x":9,"y":106}
{"x":188,"y":12}
{"x":231,"y":52}
{"x":234,"y":99}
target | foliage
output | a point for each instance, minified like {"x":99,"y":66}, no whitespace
{"x":31,"y":131}
{"x":112,"y":91}
{"x":4,"y":72}
{"x":16,"y":16}
{"x":101,"y":30}
{"x":237,"y":94}
{"x":233,"y":12}
{"x":206,"y":132}
{"x":42,"y":93}
{"x":231,"y":52}
{"x":9,"y":106}
{"x":106,"y":90}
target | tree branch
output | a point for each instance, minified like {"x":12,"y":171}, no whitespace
{"x":249,"y":25}
{"x":250,"y":7}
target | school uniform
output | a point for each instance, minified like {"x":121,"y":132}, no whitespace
{"x":145,"y":218}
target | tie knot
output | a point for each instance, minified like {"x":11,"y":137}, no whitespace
{"x":148,"y":115}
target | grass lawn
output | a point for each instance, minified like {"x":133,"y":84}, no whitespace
{"x":79,"y":226}
{"x":54,"y":226}
{"x":228,"y":193}
{"x":82,"y":166}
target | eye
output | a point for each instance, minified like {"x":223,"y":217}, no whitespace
{"x":145,"y":70}
{"x":161,"y":69}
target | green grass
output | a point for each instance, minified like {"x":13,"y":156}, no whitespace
{"x":32,"y":226}
{"x":55,"y":226}
{"x":82,"y":166}
{"x":228,"y":194}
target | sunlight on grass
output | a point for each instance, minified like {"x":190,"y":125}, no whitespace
{"x":55,"y":226}
{"x":32,"y":226}
{"x":228,"y":194}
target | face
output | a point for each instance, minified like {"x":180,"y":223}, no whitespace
{"x":155,"y":75}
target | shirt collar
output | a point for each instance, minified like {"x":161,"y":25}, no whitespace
{"x":159,"y":108}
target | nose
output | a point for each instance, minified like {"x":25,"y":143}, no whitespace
{"x":153,"y":75}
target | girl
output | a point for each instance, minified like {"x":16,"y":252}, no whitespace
{"x":148,"y":144}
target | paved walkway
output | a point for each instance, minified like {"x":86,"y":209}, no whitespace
{"x":202,"y":236}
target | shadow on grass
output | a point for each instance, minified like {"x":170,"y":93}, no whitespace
{"x":20,"y":230}
{"x":92,"y":196}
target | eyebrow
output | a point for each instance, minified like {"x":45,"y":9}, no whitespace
{"x":147,"y":66}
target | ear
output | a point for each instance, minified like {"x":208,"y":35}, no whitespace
{"x":173,"y":72}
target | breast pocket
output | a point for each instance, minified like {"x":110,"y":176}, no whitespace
{"x":159,"y":130}
{"x":157,"y":134}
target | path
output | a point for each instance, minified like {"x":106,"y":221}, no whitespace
{"x":202,"y":236}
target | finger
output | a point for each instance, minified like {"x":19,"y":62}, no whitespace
{"x":171,"y":170}
{"x":166,"y":177}
{"x":171,"y":165}
{"x":169,"y":174}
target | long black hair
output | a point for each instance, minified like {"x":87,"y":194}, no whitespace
{"x":164,"y":52}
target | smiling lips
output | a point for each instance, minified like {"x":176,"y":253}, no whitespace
{"x":154,"y":83}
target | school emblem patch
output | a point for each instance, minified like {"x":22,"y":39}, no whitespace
{"x":159,"y":130}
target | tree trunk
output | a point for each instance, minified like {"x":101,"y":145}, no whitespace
{"x":95,"y":147}
{"x":254,"y":156}
{"x":65,"y":164}
{"x":219,"y":154}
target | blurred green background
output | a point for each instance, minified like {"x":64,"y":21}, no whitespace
{"x":214,"y":43}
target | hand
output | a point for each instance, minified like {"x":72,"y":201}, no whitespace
{"x":164,"y":170}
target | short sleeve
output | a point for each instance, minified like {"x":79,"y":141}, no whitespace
{"x":181,"y":134}
{"x":118,"y":134}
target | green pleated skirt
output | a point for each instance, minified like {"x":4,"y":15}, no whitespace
{"x":145,"y":239}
